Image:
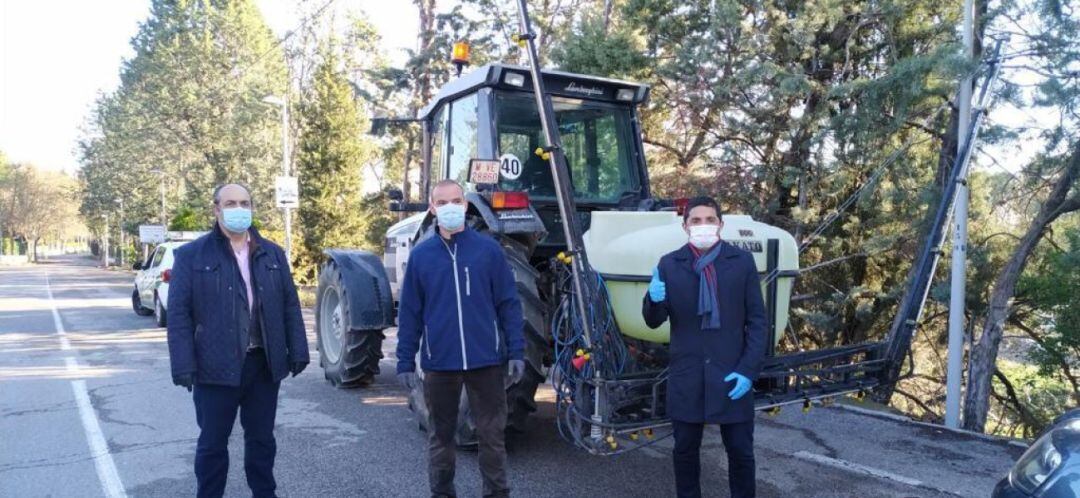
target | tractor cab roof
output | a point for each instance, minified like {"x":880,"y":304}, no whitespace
{"x":511,"y":77}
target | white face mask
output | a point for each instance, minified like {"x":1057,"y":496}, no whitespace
{"x":450,"y":216}
{"x":704,"y":236}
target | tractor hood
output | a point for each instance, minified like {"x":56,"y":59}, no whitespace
{"x":624,"y":247}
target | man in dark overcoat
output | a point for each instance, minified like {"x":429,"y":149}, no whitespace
{"x":710,"y":292}
{"x":234,"y":332}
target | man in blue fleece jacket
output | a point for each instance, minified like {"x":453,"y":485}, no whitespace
{"x":459,"y":302}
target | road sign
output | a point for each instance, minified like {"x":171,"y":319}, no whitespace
{"x":287,"y":191}
{"x":184,"y":236}
{"x":510,"y":166}
{"x":151,"y":234}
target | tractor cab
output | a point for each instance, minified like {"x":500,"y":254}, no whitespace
{"x":490,"y":114}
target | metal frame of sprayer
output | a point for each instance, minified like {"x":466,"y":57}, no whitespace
{"x":592,"y":360}
{"x":602,"y":393}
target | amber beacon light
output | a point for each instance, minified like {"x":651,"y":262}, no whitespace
{"x":460,"y":56}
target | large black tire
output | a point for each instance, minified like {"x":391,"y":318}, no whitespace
{"x":160,"y":314}
{"x":349,"y":357}
{"x":136,"y":304}
{"x":520,"y":397}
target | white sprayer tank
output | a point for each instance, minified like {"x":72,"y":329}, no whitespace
{"x":625,"y":247}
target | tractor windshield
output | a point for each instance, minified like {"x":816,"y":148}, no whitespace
{"x":597,"y":139}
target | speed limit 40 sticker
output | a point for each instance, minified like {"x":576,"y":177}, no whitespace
{"x":509,"y":166}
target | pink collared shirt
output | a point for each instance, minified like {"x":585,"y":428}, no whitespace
{"x":243,"y":260}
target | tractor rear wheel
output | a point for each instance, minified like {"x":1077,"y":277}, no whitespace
{"x":521,"y":397}
{"x":349,"y":357}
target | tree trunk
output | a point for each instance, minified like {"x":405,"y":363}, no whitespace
{"x":426,"y":12}
{"x":984,"y":352}
{"x":608,"y":6}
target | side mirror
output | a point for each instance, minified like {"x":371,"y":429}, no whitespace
{"x":136,"y":266}
{"x":378,"y":126}
{"x":395,"y":194}
{"x":408,"y":207}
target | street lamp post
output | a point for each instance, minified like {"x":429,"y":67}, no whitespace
{"x":279,"y":101}
{"x":120,"y":225}
{"x":105,"y":243}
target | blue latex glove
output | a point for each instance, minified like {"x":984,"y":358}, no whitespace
{"x":657,"y":288}
{"x":742,"y":385}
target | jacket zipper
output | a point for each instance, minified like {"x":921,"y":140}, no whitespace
{"x":468,"y":282}
{"x":457,"y":293}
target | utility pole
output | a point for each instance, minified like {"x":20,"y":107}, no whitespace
{"x":960,"y":238}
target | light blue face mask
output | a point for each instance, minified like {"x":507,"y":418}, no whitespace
{"x":236,"y":220}
{"x":451,"y":216}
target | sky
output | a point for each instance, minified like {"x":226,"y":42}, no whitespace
{"x":54,"y":67}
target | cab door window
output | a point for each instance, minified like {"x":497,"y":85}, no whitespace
{"x":464,"y":145}
{"x":438,"y":142}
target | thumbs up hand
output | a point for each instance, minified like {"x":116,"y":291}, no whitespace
{"x":657,"y":288}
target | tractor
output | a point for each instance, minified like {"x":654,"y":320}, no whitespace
{"x":491,"y":114}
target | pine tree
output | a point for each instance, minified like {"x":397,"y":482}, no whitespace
{"x":189,"y":104}
{"x":332,"y":151}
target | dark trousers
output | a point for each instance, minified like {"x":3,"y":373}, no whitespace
{"x":739,"y":443}
{"x":215,"y":412}
{"x":487,"y":402}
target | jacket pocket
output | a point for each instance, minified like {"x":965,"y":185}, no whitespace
{"x":497,"y":334}
{"x":273,"y":275}
{"x":468,"y":282}
{"x":207,"y":278}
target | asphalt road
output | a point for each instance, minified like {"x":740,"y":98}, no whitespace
{"x":87,"y":408}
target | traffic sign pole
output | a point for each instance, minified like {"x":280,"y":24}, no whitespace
{"x":287,"y":193}
{"x":285,"y":172}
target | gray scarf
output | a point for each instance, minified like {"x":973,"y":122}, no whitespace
{"x":708,"y":305}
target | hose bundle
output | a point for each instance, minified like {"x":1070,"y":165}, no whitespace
{"x":581,"y":368}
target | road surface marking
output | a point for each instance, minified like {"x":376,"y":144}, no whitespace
{"x":99,"y":448}
{"x":854,"y":467}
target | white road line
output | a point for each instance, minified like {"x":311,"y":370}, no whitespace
{"x":99,"y":448}
{"x":854,"y":467}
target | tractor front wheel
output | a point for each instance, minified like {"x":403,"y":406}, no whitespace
{"x":349,"y":357}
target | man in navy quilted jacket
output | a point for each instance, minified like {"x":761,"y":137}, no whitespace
{"x":235,"y":331}
{"x":459,"y":309}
